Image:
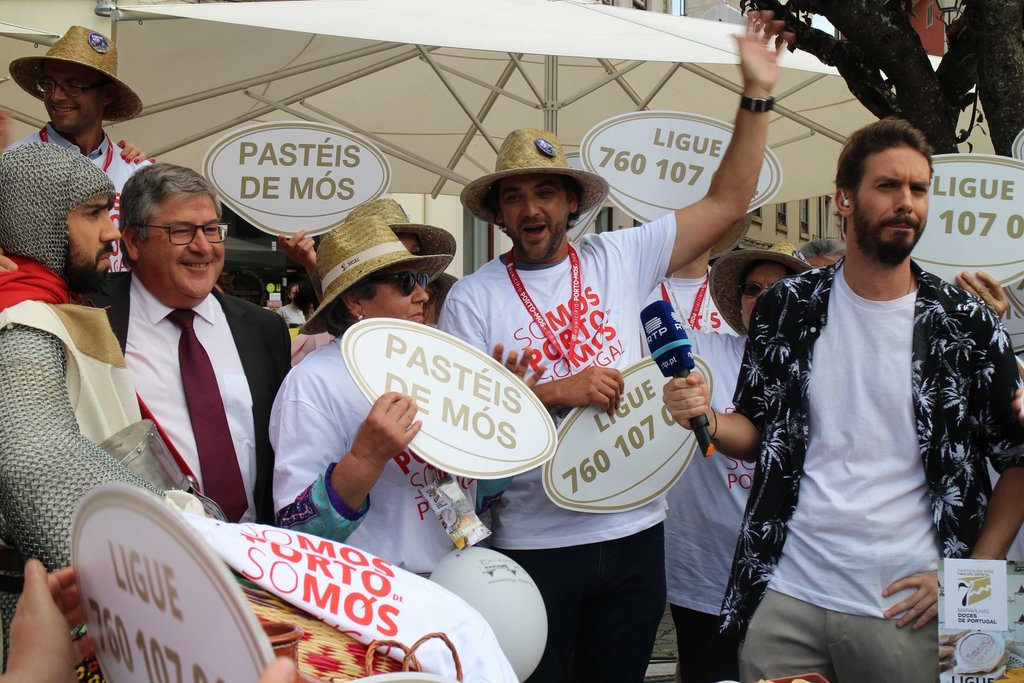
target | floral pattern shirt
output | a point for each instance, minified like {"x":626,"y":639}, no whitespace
{"x":964,"y":375}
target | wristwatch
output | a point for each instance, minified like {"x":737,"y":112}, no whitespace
{"x":756,"y":104}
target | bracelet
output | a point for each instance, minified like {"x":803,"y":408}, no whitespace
{"x":757,"y":104}
{"x":714,"y":414}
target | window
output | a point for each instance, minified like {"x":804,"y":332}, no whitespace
{"x":930,"y":15}
{"x":805,"y":218}
{"x":780,"y":215}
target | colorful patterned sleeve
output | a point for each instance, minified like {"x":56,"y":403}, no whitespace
{"x":320,"y":511}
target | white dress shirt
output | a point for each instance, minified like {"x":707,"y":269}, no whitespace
{"x":151,"y":353}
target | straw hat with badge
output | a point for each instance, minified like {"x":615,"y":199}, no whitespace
{"x":354,"y":252}
{"x":530,"y":150}
{"x":728,"y":272}
{"x":81,"y":45}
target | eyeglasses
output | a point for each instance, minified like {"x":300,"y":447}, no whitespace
{"x":183,"y":233}
{"x":752,"y":288}
{"x":407,"y":280}
{"x":71,"y":88}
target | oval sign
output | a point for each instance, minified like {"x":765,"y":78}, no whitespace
{"x":288,"y":176}
{"x":479,"y":419}
{"x":612,"y":463}
{"x":975,"y":217}
{"x":658,"y":161}
{"x":158,"y":603}
{"x":1018,"y":146}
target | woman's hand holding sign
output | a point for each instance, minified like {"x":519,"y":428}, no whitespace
{"x":388,"y":429}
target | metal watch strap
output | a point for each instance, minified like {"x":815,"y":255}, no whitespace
{"x":756,"y":104}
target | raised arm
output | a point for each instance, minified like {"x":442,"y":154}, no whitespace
{"x":699,"y":225}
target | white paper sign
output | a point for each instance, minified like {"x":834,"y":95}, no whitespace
{"x":975,"y":594}
{"x":585,"y":222}
{"x":975,"y":217}
{"x":287,"y":176}
{"x":159,"y":604}
{"x":612,"y":463}
{"x":658,"y":161}
{"x":479,"y":419}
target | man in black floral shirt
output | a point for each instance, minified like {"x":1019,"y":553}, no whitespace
{"x":871,"y":396}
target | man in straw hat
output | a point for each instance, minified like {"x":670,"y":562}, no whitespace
{"x":870,"y":461}
{"x":601,"y":575}
{"x":63,"y":384}
{"x":206,"y":365}
{"x":705,"y":507}
{"x":77,"y":81}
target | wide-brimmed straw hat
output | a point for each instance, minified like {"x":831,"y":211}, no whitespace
{"x":81,"y":45}
{"x":432,"y":240}
{"x":727,"y":271}
{"x":357,"y":248}
{"x":531,"y":150}
{"x":731,"y":238}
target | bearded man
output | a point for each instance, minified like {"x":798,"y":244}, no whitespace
{"x":871,"y":396}
{"x":63,"y":383}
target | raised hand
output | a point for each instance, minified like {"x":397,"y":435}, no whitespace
{"x":759,"y":48}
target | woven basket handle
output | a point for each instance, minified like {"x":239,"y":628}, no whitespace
{"x":409,"y":661}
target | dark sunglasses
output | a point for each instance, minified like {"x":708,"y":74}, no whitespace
{"x":752,"y":289}
{"x":407,"y":280}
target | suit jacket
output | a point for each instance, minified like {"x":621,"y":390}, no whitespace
{"x":264,"y":347}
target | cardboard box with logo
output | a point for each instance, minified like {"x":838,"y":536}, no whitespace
{"x":981,"y":621}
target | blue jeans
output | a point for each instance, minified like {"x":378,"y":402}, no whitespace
{"x":604,"y":603}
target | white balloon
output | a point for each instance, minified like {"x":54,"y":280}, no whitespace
{"x":507,"y":598}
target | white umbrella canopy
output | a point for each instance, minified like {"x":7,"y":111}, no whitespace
{"x":412,"y":75}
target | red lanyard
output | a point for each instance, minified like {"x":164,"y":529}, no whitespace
{"x":110,"y":147}
{"x":575,"y":303}
{"x":698,"y":302}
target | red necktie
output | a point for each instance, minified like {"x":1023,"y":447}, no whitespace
{"x":222,"y":480}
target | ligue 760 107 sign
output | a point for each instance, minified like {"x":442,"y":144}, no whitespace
{"x":657,"y":161}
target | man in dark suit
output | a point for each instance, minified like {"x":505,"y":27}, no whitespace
{"x":206,"y":366}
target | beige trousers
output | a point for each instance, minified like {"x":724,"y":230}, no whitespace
{"x":789,"y":636}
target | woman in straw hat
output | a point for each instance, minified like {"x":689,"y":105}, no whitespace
{"x":418,"y":238}
{"x":700,"y":537}
{"x":333,"y":453}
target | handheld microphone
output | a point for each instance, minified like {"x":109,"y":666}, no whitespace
{"x":670,"y":349}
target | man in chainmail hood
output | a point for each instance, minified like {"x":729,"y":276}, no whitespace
{"x":54,"y":223}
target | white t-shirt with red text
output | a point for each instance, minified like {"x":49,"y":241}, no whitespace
{"x":682,"y":294}
{"x":316,"y":415}
{"x":618,"y":270}
{"x":705,"y":507}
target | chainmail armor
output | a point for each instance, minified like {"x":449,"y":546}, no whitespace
{"x":40,"y":184}
{"x":46,"y":464}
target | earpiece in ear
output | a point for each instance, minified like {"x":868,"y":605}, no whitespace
{"x":846,"y":199}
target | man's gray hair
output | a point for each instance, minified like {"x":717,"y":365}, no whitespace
{"x":150,"y":186}
{"x":824,"y":247}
